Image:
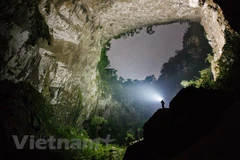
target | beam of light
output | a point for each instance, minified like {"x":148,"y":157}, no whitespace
{"x":148,"y":93}
{"x":157,"y":98}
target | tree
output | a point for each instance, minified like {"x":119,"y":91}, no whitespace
{"x":150,"y":79}
{"x":150,"y":30}
{"x":97,"y":121}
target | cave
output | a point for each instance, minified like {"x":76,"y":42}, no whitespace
{"x":56,"y":46}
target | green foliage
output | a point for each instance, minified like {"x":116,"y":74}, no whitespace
{"x":104,"y":62}
{"x":34,"y":116}
{"x":186,"y":83}
{"x":106,"y":74}
{"x":111,"y":152}
{"x":129,"y":138}
{"x":149,"y":30}
{"x":96,"y":120}
{"x":209,"y":57}
{"x":205,"y":80}
{"x":76,"y":111}
{"x":93,"y":148}
{"x":128,"y":33}
{"x":228,"y":63}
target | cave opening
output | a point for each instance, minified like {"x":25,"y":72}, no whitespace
{"x":164,"y":56}
{"x":86,"y":104}
{"x":139,"y":97}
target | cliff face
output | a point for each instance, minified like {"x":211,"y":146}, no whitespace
{"x":56,"y":44}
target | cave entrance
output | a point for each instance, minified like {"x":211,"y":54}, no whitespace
{"x":139,"y":96}
{"x":156,"y":59}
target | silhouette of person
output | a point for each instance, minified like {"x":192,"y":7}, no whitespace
{"x":163,"y":104}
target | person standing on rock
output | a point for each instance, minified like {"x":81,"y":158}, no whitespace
{"x":163,"y":104}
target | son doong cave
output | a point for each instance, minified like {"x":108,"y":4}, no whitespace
{"x":60,"y":98}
